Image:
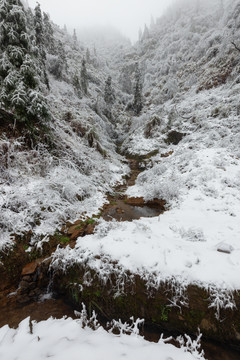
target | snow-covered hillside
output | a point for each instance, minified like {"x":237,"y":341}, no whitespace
{"x":68,"y":170}
{"x":171,"y":100}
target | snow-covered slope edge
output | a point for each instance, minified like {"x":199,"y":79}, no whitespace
{"x":69,"y":338}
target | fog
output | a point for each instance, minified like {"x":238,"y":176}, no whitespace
{"x":127,"y":15}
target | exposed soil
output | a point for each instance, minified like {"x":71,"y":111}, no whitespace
{"x":12,"y":313}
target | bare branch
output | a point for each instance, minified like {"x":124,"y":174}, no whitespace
{"x":236,"y":47}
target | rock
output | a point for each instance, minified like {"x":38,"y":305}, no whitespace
{"x":90,"y":229}
{"x":78,"y":225}
{"x":34,"y":293}
{"x":78,"y":222}
{"x":139,"y":201}
{"x":166,"y":154}
{"x":76,"y":233}
{"x":224,"y":248}
{"x":208,"y":325}
{"x":72,"y":229}
{"x":32,"y":285}
{"x":24,"y":284}
{"x":30,"y":268}
{"x":174,"y":137}
{"x":23,"y":299}
{"x":159,"y":203}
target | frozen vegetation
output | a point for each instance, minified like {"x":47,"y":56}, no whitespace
{"x":175,"y":93}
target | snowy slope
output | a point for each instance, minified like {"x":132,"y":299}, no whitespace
{"x":84,"y":338}
{"x":54,"y":181}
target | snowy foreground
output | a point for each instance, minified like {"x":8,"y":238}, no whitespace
{"x":195,"y":242}
{"x":75,"y":339}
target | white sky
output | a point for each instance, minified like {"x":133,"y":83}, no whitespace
{"x":127,"y":15}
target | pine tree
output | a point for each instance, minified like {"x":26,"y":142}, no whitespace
{"x":77,"y":85}
{"x":75,"y":39}
{"x":109,"y":95}
{"x":38,"y":24}
{"x":137,"y":102}
{"x":19,"y":75}
{"x":58,"y":64}
{"x":145,"y":35}
{"x":84,"y":77}
{"x":48,"y":34}
{"x":88,"y":57}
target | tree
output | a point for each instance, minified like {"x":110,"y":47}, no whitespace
{"x":48,"y":34}
{"x":75,"y":40}
{"x":77,"y":85}
{"x":57,"y":64}
{"x":84,"y":77}
{"x":145,"y":35}
{"x":88,"y":57}
{"x":19,"y":72}
{"x":109,"y":95}
{"x":137,"y":102}
{"x":38,"y":24}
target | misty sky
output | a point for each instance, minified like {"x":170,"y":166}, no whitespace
{"x":127,"y":15}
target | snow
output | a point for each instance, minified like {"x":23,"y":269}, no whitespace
{"x":68,"y":338}
{"x":196,"y":241}
{"x":42,"y":188}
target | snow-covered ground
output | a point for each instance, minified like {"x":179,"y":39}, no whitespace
{"x":75,"y":339}
{"x":196,"y":241}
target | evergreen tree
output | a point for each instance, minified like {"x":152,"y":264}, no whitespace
{"x":84,"y":77}
{"x":77,"y":85}
{"x":137,"y":102}
{"x":19,"y":75}
{"x":75,"y":40}
{"x":48,"y":34}
{"x":109,"y":95}
{"x":88,"y":57}
{"x":58,"y":64}
{"x":38,"y":24}
{"x":39,"y":33}
{"x":145,"y":35}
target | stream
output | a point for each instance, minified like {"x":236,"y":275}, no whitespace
{"x":119,"y":208}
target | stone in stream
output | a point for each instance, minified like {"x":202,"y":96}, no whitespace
{"x":30,"y":268}
{"x":34,"y":279}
